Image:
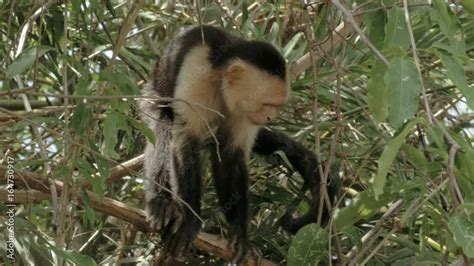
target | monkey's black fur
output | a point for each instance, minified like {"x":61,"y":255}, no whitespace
{"x":177,"y":224}
{"x":224,"y":47}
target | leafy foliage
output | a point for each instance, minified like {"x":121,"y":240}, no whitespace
{"x":307,"y":246}
{"x":401,"y":132}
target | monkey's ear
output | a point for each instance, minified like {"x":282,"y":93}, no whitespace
{"x":234,"y":72}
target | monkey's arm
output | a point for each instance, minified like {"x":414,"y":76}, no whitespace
{"x":230,"y":174}
{"x":304,"y":161}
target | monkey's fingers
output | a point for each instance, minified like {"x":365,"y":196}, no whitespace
{"x":172,"y":215}
{"x":177,"y":223}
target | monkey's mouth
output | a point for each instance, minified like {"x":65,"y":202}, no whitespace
{"x":261,"y":121}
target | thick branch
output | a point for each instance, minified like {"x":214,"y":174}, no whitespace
{"x":205,"y":242}
{"x":23,"y":196}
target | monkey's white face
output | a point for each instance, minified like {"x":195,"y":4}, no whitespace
{"x":253,"y":93}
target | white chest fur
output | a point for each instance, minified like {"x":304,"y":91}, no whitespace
{"x":193,"y":87}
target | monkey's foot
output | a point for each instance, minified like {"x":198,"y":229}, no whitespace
{"x":243,"y":250}
{"x":181,"y":240}
{"x":163,"y":212}
{"x":177,"y":227}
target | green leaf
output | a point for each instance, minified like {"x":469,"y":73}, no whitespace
{"x":89,"y":215}
{"x":245,"y":10}
{"x":435,"y":136}
{"x":463,"y":232}
{"x":375,"y":23}
{"x":88,"y":172}
{"x":83,"y":86}
{"x":113,"y":122}
{"x":81,"y":118}
{"x":403,"y":90}
{"x":465,"y":173}
{"x":76,"y":5}
{"x":468,"y":5}
{"x":291,"y":44}
{"x":387,"y":157}
{"x":416,"y":158}
{"x":466,"y":165}
{"x":284,"y":159}
{"x":376,"y":92}
{"x":135,"y":61}
{"x":26,"y":59}
{"x":276,"y":193}
{"x":74,"y":257}
{"x":396,"y":29}
{"x":145,"y":130}
{"x":363,"y":206}
{"x":308,"y":246}
{"x":456,"y":74}
{"x":445,"y":21}
{"x":468,"y":206}
{"x":121,"y":81}
{"x":103,"y":166}
{"x":450,"y":26}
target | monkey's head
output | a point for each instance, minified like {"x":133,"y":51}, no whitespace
{"x":255,"y":83}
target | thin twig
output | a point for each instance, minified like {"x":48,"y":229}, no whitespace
{"x":342,"y":31}
{"x":453,"y":186}
{"x":17,"y":91}
{"x":146,"y":37}
{"x":394,"y":208}
{"x":359,"y":31}
{"x":36,"y":112}
{"x":26,"y":27}
{"x":286,"y":18}
{"x":379,"y":245}
{"x":124,"y":29}
{"x":332,"y":150}
{"x":55,"y":133}
{"x":314,"y":111}
{"x":61,"y":212}
{"x":417,"y":63}
{"x":110,"y":97}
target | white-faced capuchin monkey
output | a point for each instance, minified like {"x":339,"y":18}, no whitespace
{"x":245,"y":82}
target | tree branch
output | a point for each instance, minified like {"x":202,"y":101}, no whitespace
{"x":204,"y":241}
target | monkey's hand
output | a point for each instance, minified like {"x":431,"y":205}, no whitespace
{"x":243,"y":250}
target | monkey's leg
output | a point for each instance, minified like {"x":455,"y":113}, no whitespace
{"x":304,"y":161}
{"x":173,"y":186}
{"x":185,"y":182}
{"x":157,"y":177}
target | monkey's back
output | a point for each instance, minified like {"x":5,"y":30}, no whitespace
{"x":169,"y":66}
{"x":165,"y":75}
